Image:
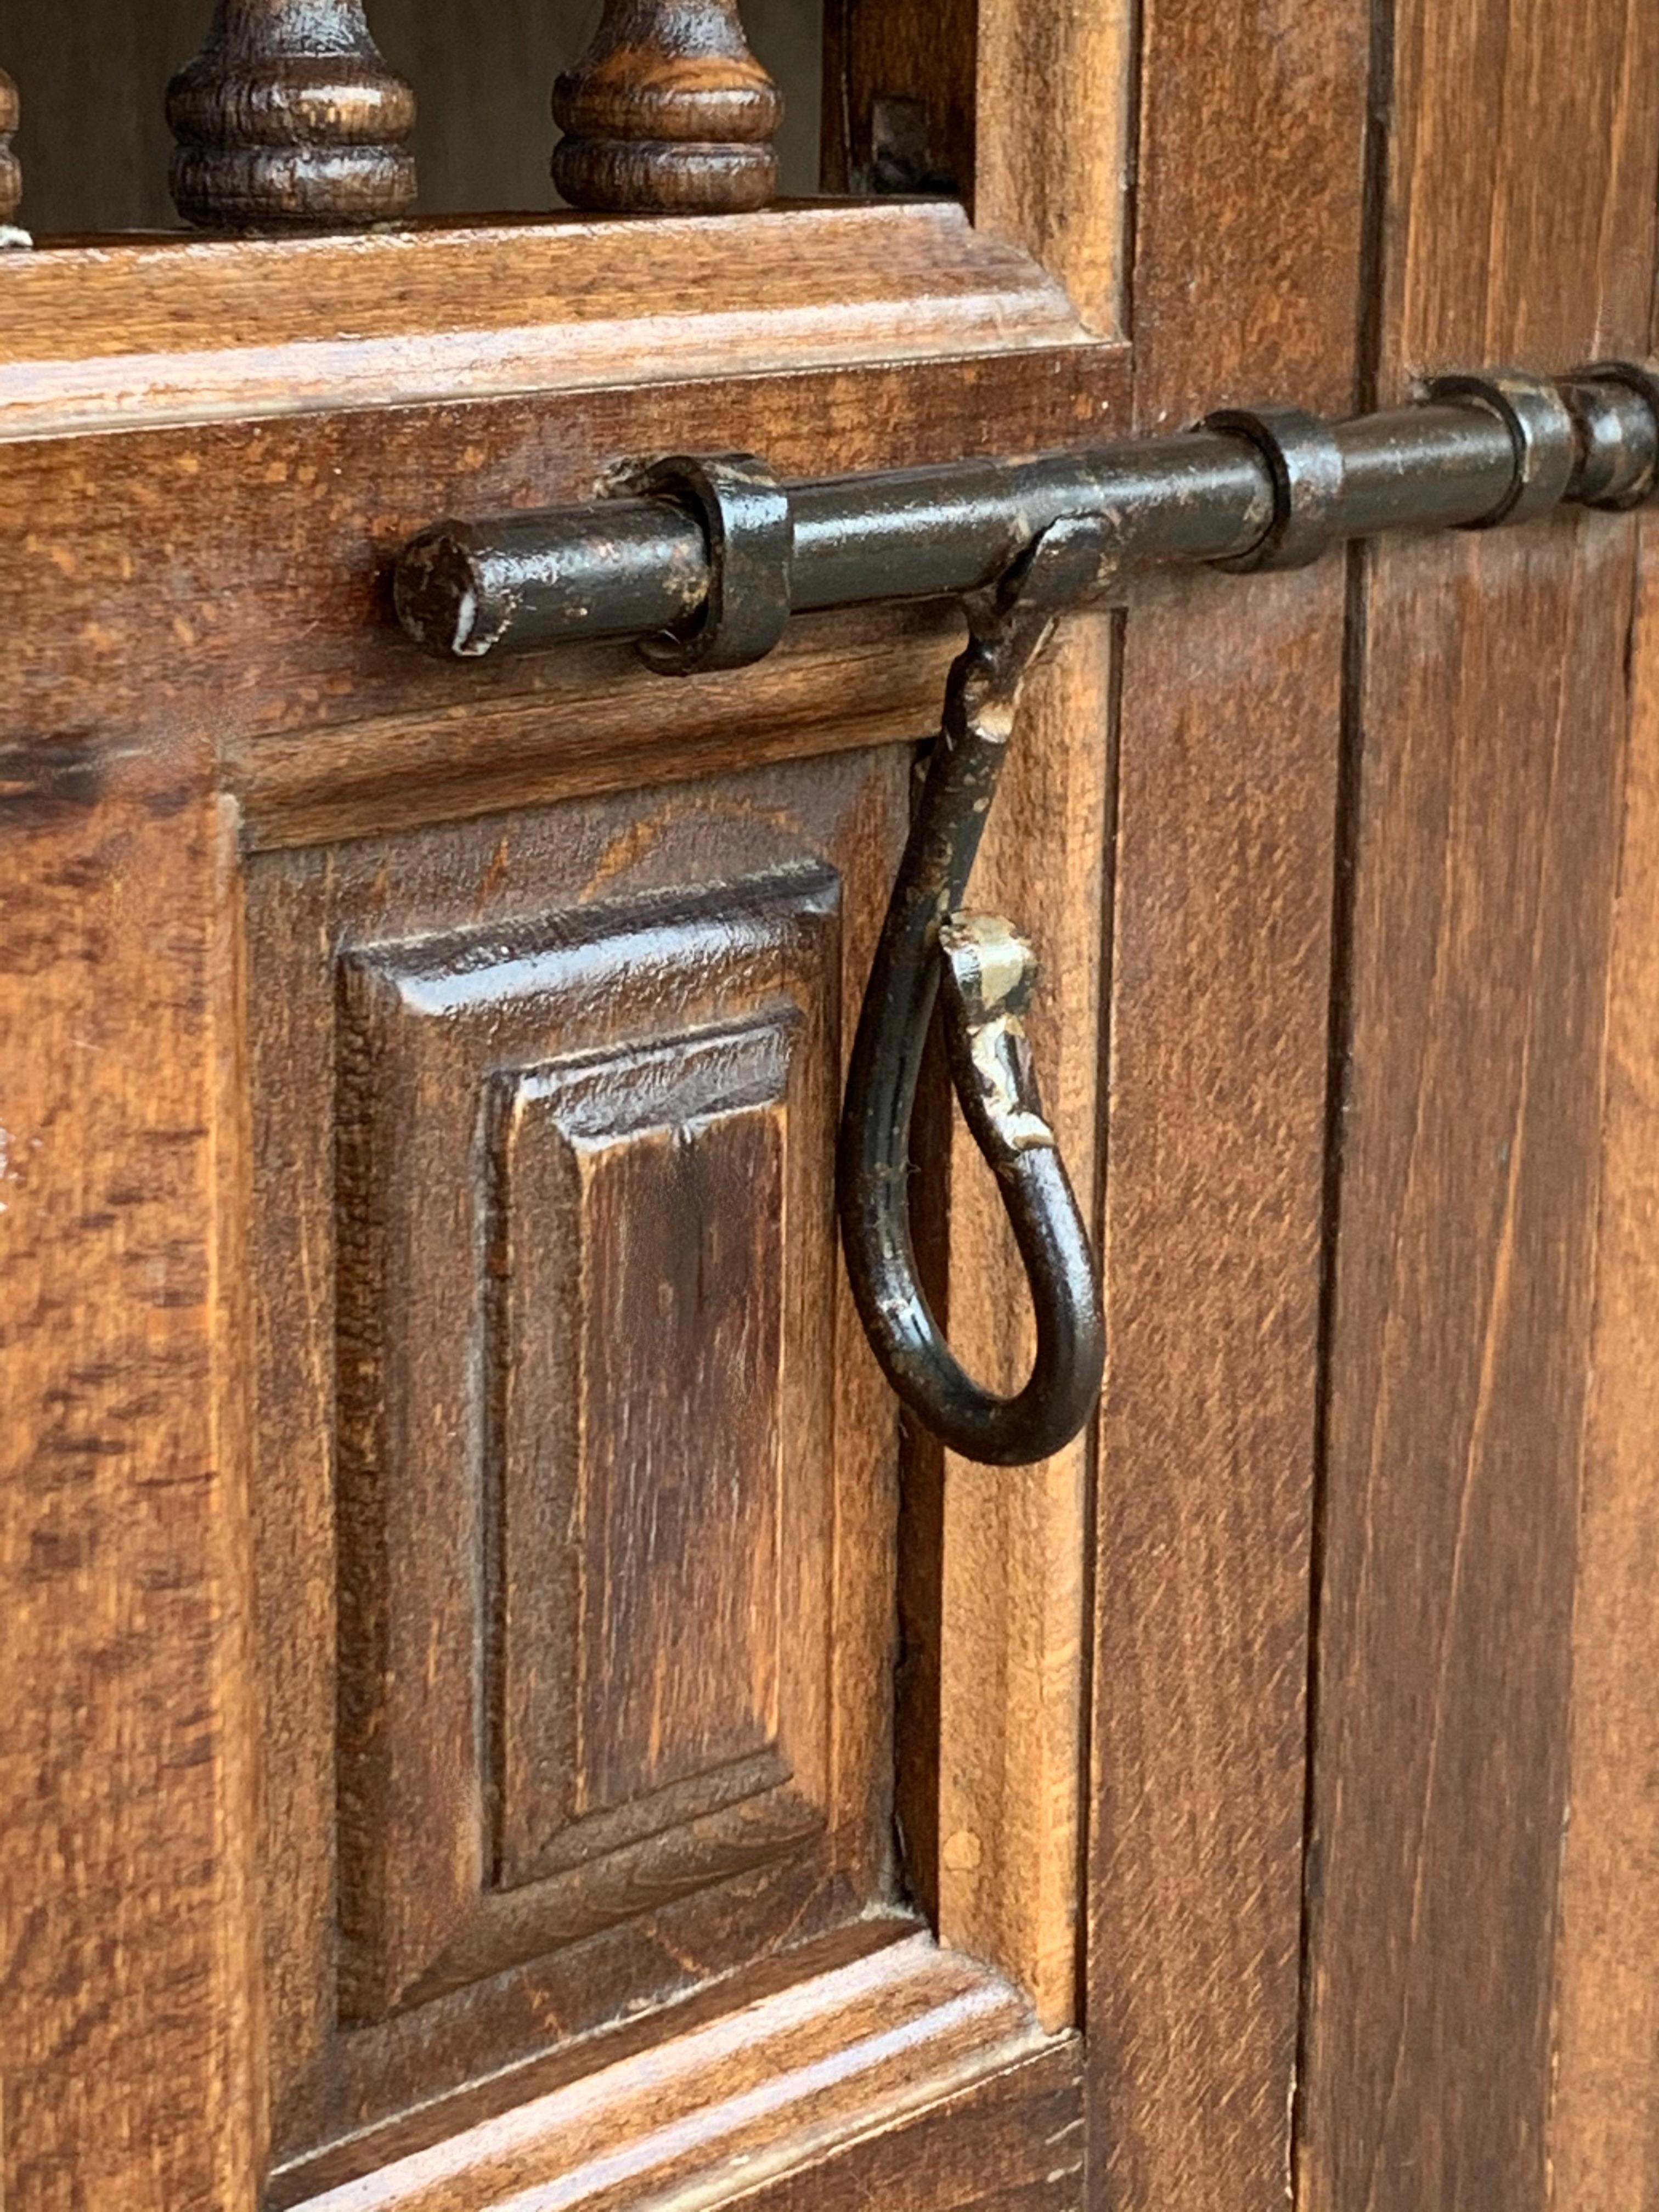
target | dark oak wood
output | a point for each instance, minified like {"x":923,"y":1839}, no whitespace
{"x":1603,"y":2145}
{"x":450,"y":1531}
{"x":474,"y":809}
{"x":668,"y":112}
{"x":11,"y":173}
{"x":290,"y":117}
{"x":578,"y":1673}
{"x":651,"y":1410}
{"x":129,"y":1999}
{"x":1246,"y":271}
{"x":1489,"y":709}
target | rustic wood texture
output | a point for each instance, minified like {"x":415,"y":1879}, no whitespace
{"x":129,"y":1994}
{"x":1014,"y":2142}
{"x":279,"y":583}
{"x":1489,"y":722}
{"x":1245,"y":278}
{"x":216,"y":573}
{"x":1014,"y":1548}
{"x":836,"y":682}
{"x":289,"y":117}
{"x":1058,"y":191}
{"x":751,"y":2109}
{"x":638,"y":1555}
{"x":942,"y":97}
{"x":11,"y":170}
{"x":668,"y":112}
{"x":584,"y":940}
{"x":1603,"y":2146}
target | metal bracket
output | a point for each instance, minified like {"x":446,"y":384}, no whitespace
{"x":751,"y":532}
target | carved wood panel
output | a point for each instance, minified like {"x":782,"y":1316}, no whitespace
{"x":568,"y":1357}
{"x":575,"y":1546}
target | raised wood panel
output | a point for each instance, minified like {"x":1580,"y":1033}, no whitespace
{"x":584,"y":1421}
{"x":577,"y":1440}
{"x":642,"y":1212}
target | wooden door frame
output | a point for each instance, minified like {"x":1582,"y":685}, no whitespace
{"x":1118,"y":1830}
{"x":182,"y":668}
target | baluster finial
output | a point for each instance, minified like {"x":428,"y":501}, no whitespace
{"x":667,"y":112}
{"x":289,"y":117}
{"x":11,"y":173}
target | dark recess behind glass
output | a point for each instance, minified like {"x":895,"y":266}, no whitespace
{"x":94,"y":75}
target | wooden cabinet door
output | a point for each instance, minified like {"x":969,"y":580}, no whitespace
{"x":499,"y":1712}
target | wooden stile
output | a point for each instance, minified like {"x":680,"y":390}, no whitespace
{"x":1224,"y":853}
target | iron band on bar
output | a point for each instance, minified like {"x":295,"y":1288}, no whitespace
{"x":705,"y":574}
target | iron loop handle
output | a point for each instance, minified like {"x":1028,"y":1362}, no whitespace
{"x":980,"y":972}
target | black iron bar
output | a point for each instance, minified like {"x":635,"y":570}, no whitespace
{"x":633,"y":567}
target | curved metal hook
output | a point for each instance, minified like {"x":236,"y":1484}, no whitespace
{"x":987,"y":972}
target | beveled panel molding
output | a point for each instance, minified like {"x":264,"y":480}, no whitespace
{"x":583,"y":1428}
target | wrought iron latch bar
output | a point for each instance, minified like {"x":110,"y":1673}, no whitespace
{"x":1477,"y":450}
{"x":704,"y":559}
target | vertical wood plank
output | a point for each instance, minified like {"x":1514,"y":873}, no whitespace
{"x":1012,"y":1717}
{"x":1051,"y":163}
{"x":1011,"y":1724}
{"x":1603,"y":2148}
{"x":128,"y":1997}
{"x":1245,"y":281}
{"x":1513,"y":193}
{"x":1604,"y":2127}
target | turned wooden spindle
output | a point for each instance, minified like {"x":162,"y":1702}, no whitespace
{"x":11,"y":173}
{"x":667,"y":112}
{"x":290,"y":117}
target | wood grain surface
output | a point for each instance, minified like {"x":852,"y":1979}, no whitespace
{"x":180,"y":329}
{"x":423,"y":1590}
{"x":1603,"y":2144}
{"x":1245,"y":277}
{"x":1013,"y":1587}
{"x":129,"y":2060}
{"x":1513,"y":209}
{"x":754,"y":2109}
